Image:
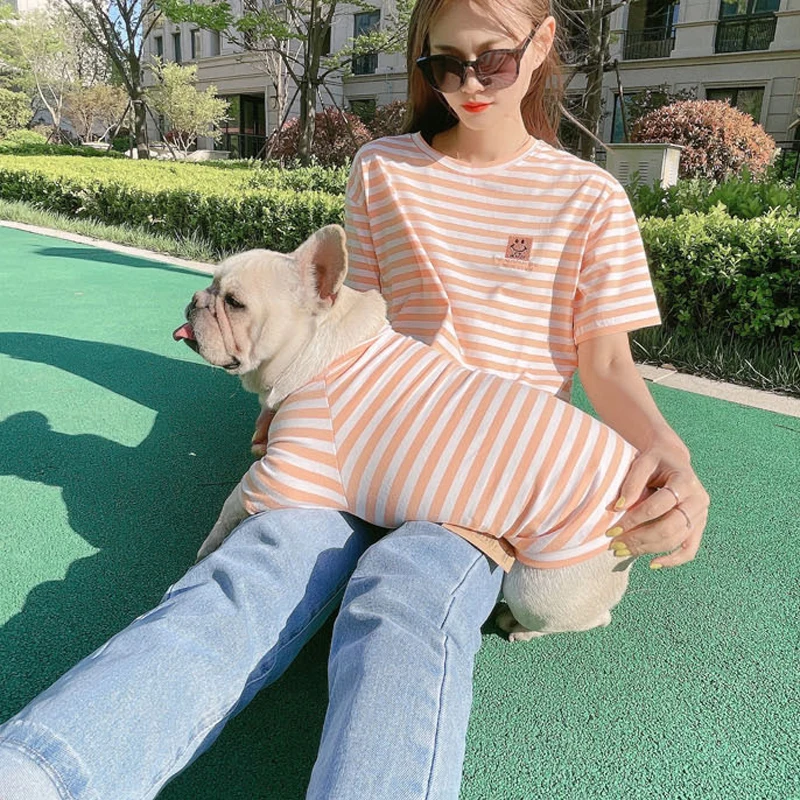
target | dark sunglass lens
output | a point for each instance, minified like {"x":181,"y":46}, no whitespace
{"x":497,"y":69}
{"x":446,"y":72}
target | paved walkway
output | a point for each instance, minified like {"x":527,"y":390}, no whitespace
{"x":118,"y":447}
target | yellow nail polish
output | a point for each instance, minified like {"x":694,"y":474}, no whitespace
{"x":620,"y":504}
{"x":622,"y":552}
{"x":656,"y":566}
{"x":616,"y":531}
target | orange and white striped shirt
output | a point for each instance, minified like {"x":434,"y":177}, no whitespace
{"x":505,"y":268}
{"x":395,"y":430}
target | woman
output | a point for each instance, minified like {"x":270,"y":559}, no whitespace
{"x":136,"y":712}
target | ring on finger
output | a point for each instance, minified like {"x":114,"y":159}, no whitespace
{"x":674,"y":494}
{"x":685,"y":516}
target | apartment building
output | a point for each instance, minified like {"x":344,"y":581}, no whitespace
{"x":744,"y":51}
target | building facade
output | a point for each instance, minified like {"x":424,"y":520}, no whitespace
{"x":744,"y":51}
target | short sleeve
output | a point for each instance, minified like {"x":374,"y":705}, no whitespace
{"x":615,"y":291}
{"x":363,"y":273}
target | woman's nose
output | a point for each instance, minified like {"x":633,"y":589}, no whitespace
{"x":471,"y":83}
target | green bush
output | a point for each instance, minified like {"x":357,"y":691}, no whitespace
{"x":15,"y":111}
{"x":176,"y":199}
{"x":714,"y":272}
{"x":742,"y":197}
{"x":32,"y":143}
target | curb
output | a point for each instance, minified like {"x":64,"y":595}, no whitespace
{"x":730,"y":392}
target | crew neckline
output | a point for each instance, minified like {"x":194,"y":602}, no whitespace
{"x":461,"y":166}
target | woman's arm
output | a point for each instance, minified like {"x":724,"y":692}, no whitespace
{"x":622,"y":400}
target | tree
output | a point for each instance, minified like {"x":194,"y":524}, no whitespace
{"x":279,"y":29}
{"x":49,"y":56}
{"x":99,"y":105}
{"x":120,"y":29}
{"x":586,"y":25}
{"x":191,"y":113}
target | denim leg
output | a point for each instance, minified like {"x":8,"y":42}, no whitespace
{"x":400,"y":671}
{"x":130,"y":716}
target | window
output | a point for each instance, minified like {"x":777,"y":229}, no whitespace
{"x":651,"y":29}
{"x":215,"y":43}
{"x":195,"y":44}
{"x":365,"y":23}
{"x":176,"y":43}
{"x":617,"y":128}
{"x":746,"y":25}
{"x":160,"y":46}
{"x":748,"y":99}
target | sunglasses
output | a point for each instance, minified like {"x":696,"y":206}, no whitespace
{"x":494,"y":69}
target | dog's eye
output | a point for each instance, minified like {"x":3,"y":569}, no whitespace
{"x":233,"y":302}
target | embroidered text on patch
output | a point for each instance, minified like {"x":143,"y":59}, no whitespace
{"x":518,"y":248}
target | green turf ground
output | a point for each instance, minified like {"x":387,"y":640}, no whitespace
{"x":118,"y":446}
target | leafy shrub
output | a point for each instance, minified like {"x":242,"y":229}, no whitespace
{"x":20,"y":139}
{"x":176,"y":199}
{"x":742,"y":197}
{"x":332,"y":180}
{"x":713,"y":272}
{"x":388,"y":119}
{"x":337,"y":137}
{"x":15,"y":111}
{"x":33,"y":143}
{"x":719,"y":140}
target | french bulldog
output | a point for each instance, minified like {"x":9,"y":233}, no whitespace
{"x":321,"y":354}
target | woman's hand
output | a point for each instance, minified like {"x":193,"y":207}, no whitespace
{"x":668,"y":507}
{"x":258,"y":444}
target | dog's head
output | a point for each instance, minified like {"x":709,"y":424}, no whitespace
{"x":262,"y":307}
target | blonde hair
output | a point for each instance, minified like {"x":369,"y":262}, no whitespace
{"x":428,"y":112}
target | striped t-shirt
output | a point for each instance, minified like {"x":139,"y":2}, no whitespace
{"x":507,"y":267}
{"x":395,"y":431}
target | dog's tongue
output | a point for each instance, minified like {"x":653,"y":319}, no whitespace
{"x":184,"y":332}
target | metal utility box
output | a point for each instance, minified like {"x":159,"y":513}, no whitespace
{"x":650,"y":162}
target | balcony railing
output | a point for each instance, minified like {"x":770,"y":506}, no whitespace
{"x":745,"y":33}
{"x":648,"y":43}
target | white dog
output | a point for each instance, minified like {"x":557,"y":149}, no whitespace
{"x":385,"y":427}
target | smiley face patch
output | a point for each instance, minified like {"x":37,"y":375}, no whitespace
{"x":518,"y":248}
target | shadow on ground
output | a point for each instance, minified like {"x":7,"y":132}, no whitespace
{"x":146,"y":509}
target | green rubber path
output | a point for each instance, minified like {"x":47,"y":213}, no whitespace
{"x":118,"y":446}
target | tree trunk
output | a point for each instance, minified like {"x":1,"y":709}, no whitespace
{"x":308,"y":93}
{"x":140,"y":127}
{"x":593,"y":98}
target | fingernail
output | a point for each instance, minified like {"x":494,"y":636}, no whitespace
{"x":614,"y":532}
{"x":620,"y":504}
{"x":656,"y":566}
{"x":622,"y":552}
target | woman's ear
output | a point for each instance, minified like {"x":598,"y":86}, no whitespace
{"x":543,"y":40}
{"x":322,"y":264}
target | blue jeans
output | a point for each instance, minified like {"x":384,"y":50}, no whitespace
{"x":133,"y":714}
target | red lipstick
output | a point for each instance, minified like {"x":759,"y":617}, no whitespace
{"x":475,"y":107}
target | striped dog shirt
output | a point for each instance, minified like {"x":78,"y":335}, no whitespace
{"x":394,"y":431}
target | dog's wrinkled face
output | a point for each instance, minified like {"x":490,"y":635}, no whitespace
{"x":264,"y":306}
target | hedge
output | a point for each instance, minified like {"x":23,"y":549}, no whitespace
{"x":221,"y":206}
{"x":712,"y":271}
{"x":709,"y":270}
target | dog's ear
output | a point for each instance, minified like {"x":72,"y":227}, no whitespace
{"x":322,"y":264}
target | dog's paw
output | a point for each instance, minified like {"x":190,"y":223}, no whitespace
{"x":521,"y":634}
{"x":507,"y":622}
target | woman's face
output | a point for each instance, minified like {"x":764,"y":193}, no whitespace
{"x":465,"y":31}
